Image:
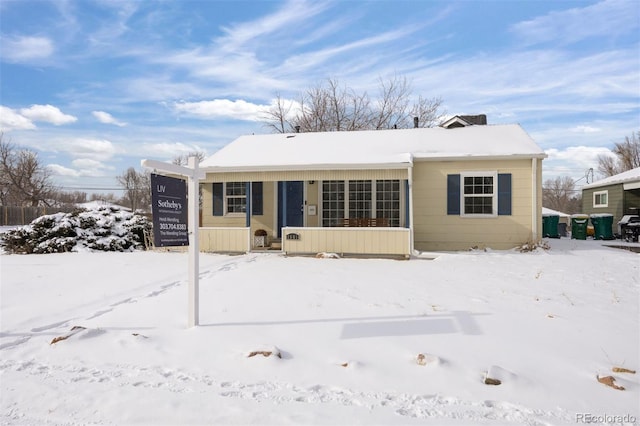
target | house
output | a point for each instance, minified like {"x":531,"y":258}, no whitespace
{"x":378,"y":192}
{"x":618,"y":195}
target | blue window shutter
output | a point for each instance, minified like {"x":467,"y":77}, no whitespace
{"x":218,"y":200}
{"x":453,"y":194}
{"x":407,"y":216}
{"x":256,"y":199}
{"x":247,"y":191}
{"x":504,"y":194}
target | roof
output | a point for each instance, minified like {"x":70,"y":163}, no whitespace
{"x":396,"y":148}
{"x":550,"y":212}
{"x":629,"y":176}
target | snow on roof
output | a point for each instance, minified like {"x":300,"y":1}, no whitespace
{"x":551,"y":212}
{"x":632,"y":175}
{"x":381,"y":148}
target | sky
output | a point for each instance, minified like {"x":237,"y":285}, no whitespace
{"x":94,"y":86}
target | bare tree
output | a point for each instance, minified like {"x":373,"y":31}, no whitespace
{"x":108,"y":197}
{"x":332,"y":107}
{"x":137,"y":188}
{"x":24,"y":181}
{"x":627,"y":156}
{"x":560,"y":194}
{"x":277,"y":117}
{"x":182,"y":160}
{"x":67,"y":198}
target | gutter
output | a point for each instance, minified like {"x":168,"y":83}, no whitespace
{"x":473,"y":157}
{"x":306,"y":167}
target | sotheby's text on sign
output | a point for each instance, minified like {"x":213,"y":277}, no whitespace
{"x":169,"y":209}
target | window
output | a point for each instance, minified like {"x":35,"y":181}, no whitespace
{"x":332,"y":202}
{"x":479,"y":194}
{"x":360,"y":199}
{"x":236,"y":197}
{"x":388,"y":201}
{"x":601,"y":199}
{"x":231,"y":198}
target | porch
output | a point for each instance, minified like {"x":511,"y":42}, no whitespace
{"x":369,"y":240}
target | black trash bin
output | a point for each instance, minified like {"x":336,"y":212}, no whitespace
{"x":562,"y":229}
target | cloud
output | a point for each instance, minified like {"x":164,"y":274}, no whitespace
{"x":89,"y":167}
{"x":313,"y":59}
{"x":94,"y":149}
{"x":106,"y":118}
{"x":574,"y":161}
{"x":598,"y":20}
{"x":585,"y":129}
{"x":47,"y":113}
{"x":82,"y":167}
{"x":290,"y":15}
{"x":59,"y":170}
{"x":11,"y":120}
{"x":223,"y":108}
{"x":170,"y":150}
{"x":25,"y":49}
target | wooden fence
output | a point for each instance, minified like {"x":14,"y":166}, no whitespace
{"x":17,"y":216}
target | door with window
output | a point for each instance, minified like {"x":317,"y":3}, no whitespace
{"x":290,"y":204}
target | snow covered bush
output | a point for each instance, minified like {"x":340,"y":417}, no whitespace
{"x":103,"y":228}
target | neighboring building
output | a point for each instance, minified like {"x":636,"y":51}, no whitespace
{"x":618,"y":195}
{"x":464,"y":121}
{"x":380,"y":192}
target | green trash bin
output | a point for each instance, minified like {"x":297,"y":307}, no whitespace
{"x":550,"y":225}
{"x":602,"y":226}
{"x":579,"y":226}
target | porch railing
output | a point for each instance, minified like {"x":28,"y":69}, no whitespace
{"x":347,"y":240}
{"x":225,"y":240}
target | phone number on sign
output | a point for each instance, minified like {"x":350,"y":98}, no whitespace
{"x":173,"y":226}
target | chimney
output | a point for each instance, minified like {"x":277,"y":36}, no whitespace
{"x":415,"y":122}
{"x":297,"y":129}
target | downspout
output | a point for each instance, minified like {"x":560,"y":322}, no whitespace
{"x":534,"y":200}
{"x":410,"y":205}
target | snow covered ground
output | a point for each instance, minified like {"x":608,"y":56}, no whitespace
{"x":349,"y":332}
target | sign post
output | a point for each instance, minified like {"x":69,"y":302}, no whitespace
{"x":193,"y":175}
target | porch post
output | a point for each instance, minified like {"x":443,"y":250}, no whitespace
{"x":410,"y":206}
{"x":535,"y":208}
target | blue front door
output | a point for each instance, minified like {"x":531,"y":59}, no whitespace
{"x":290,"y":204}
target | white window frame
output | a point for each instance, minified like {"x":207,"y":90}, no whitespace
{"x":373,"y":212}
{"x":494,"y":195}
{"x":600,"y":193}
{"x":226,"y":201}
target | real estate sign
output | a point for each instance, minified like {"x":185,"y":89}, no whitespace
{"x":169,"y":209}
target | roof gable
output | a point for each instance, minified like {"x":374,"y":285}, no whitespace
{"x":464,"y":121}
